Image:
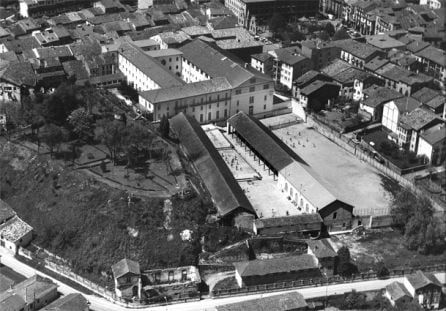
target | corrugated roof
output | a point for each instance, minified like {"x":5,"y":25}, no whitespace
{"x":218,"y":179}
{"x":276,"y":265}
{"x":150,"y":66}
{"x":187,"y":90}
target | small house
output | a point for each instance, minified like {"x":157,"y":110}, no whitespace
{"x":127,"y":276}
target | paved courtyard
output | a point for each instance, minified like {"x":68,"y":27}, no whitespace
{"x":239,"y":167}
{"x":355,"y":180}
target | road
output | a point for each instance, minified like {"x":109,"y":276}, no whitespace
{"x":101,"y":304}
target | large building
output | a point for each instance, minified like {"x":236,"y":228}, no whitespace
{"x":37,"y":8}
{"x":253,"y":14}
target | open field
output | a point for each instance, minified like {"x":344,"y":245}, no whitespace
{"x":385,"y":245}
{"x":353,"y":180}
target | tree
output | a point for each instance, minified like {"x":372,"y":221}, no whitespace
{"x":323,"y":35}
{"x":341,"y":34}
{"x":52,"y":135}
{"x":382,"y":272}
{"x":164,"y":126}
{"x":276,"y":23}
{"x":112,"y":135}
{"x":354,"y":300}
{"x":138,"y":139}
{"x":329,"y":28}
{"x":58,"y":106}
{"x":347,"y":269}
{"x":82,"y":124}
{"x":344,"y":254}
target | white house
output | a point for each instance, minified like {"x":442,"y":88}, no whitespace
{"x":394,"y":109}
{"x":15,"y":233}
{"x":432,"y":144}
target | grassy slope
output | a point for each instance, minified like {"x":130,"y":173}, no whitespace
{"x":83,"y":220}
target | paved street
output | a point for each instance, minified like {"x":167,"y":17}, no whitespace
{"x":101,"y":304}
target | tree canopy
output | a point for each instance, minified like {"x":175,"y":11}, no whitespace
{"x":341,"y":34}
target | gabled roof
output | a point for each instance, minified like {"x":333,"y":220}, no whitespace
{"x":425,"y":94}
{"x":14,"y":229}
{"x":20,"y":74}
{"x":335,"y":67}
{"x":397,"y":290}
{"x":225,"y":191}
{"x":289,"y":56}
{"x":70,"y":302}
{"x":321,"y":248}
{"x":150,"y":66}
{"x":315,"y":86}
{"x":406,"y":104}
{"x":11,"y":302}
{"x":433,"y":54}
{"x":436,"y":102}
{"x":6,"y":212}
{"x":350,"y":75}
{"x":187,"y":90}
{"x":358,"y":49}
{"x":299,"y":221}
{"x":34,"y":288}
{"x":125,"y":266}
{"x":282,"y":302}
{"x":276,"y":265}
{"x":435,"y":134}
{"x":418,"y":119}
{"x":421,"y":279}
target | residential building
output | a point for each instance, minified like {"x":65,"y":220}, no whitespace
{"x":320,"y":53}
{"x":170,"y":58}
{"x":32,"y":294}
{"x":385,"y":43}
{"x":424,"y":288}
{"x":432,"y":144}
{"x":324,"y":252}
{"x":371,"y":107}
{"x":257,"y":272}
{"x":127,"y":276}
{"x":259,"y":12}
{"x":293,"y":301}
{"x":70,"y":302}
{"x":109,"y":6}
{"x":37,"y":8}
{"x":262,"y":62}
{"x":397,"y":294}
{"x":173,"y":40}
{"x":172,"y":282}
{"x":16,"y":80}
{"x":357,"y":53}
{"x":306,"y":79}
{"x":318,"y":95}
{"x":305,"y":224}
{"x":227,"y":195}
{"x":431,"y":99}
{"x":15,"y":233}
{"x":393,"y":110}
{"x":414,"y":123}
{"x":433,"y":61}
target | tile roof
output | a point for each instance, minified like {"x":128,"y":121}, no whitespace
{"x":14,"y":229}
{"x":335,"y":67}
{"x":358,"y":49}
{"x":22,"y":44}
{"x":315,"y":86}
{"x":276,"y":265}
{"x":421,"y":279}
{"x":384,"y":42}
{"x":195,"y":31}
{"x":416,"y":46}
{"x":215,"y":85}
{"x":33,"y":288}
{"x":425,"y":94}
{"x":125,"y":266}
{"x":434,"y":134}
{"x":20,"y":74}
{"x":309,"y":76}
{"x":377,"y":95}
{"x":263,"y":57}
{"x":434,"y":55}
{"x":6,"y":212}
{"x":351,"y":74}
{"x":281,"y":302}
{"x":11,"y":302}
{"x":406,"y":104}
{"x":436,"y":102}
{"x":225,"y":191}
{"x":417,"y":119}
{"x":300,"y":221}
{"x":150,"y":66}
{"x":54,"y":51}
{"x":397,"y":291}
{"x":163,"y":52}
{"x":215,"y":63}
{"x":70,"y":302}
{"x":398,"y":73}
{"x":321,"y":248}
{"x":289,"y":56}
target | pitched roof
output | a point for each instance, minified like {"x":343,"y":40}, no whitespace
{"x":406,"y":104}
{"x":315,"y":86}
{"x":215,"y":63}
{"x":187,"y":90}
{"x":225,"y":191}
{"x":433,"y":54}
{"x":417,"y":119}
{"x":276,"y":265}
{"x":434,"y":134}
{"x":262,"y":56}
{"x":282,"y":302}
{"x":335,"y":67}
{"x":163,"y":52}
{"x":6,"y":212}
{"x":125,"y":266}
{"x":307,"y":77}
{"x":351,"y":74}
{"x":384,"y":42}
{"x":425,"y":94}
{"x":436,"y":102}
{"x":421,"y":279}
{"x":14,"y":229}
{"x":70,"y":302}
{"x":300,"y":221}
{"x":31,"y":289}
{"x":11,"y":302}
{"x":397,"y":291}
{"x":289,"y":56}
{"x":20,"y":74}
{"x":321,"y":248}
{"x":150,"y":66}
{"x":358,"y":49}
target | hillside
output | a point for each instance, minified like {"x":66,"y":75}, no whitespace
{"x":91,"y":224}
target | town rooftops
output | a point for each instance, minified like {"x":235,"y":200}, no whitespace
{"x":433,"y":54}
{"x":435,"y":134}
{"x":300,"y":221}
{"x":70,"y":302}
{"x":150,"y":66}
{"x":215,"y":63}
{"x":225,"y":191}
{"x":384,"y":42}
{"x":425,"y":94}
{"x":416,"y":46}
{"x":281,"y":302}
{"x":196,"y":31}
{"x":308,"y":77}
{"x":377,"y":95}
{"x":125,"y":266}
{"x":6,"y":212}
{"x":397,"y":73}
{"x":276,"y":265}
{"x":335,"y":67}
{"x":421,"y":279}
{"x":397,"y":291}
{"x":14,"y":229}
{"x":351,"y":74}
{"x":417,"y":119}
{"x":436,"y":102}
{"x":188,"y":90}
{"x":358,"y":49}
{"x":321,"y":248}
{"x":406,"y":104}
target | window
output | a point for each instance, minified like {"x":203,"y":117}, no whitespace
{"x":238,"y":103}
{"x":306,"y":207}
{"x":251,"y":110}
{"x":252,"y":88}
{"x":193,"y":109}
{"x":170,"y":277}
{"x":266,"y":86}
{"x":183,"y":275}
{"x":265,"y":97}
{"x":334,"y":215}
{"x":251,"y":99}
{"x":226,"y":113}
{"x":201,"y":117}
{"x":238,"y":92}
{"x":301,"y":203}
{"x":217,"y":116}
{"x":209,"y":116}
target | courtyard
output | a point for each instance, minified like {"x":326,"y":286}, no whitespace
{"x":354,"y":180}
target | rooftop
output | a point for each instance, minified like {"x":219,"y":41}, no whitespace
{"x":276,"y":265}
{"x":358,"y":49}
{"x":425,"y":94}
{"x":397,"y":290}
{"x":14,"y":229}
{"x":70,"y":302}
{"x":221,"y":184}
{"x":188,"y":90}
{"x":35,"y":287}
{"x":6,"y":212}
{"x":164,"y":53}
{"x":125,"y":266}
{"x":433,"y":54}
{"x":421,"y":279}
{"x":288,"y":56}
{"x":335,"y":67}
{"x":435,"y":134}
{"x":377,"y":95}
{"x":321,"y":248}
{"x":298,"y":221}
{"x":406,"y":104}
{"x":315,"y":86}
{"x":281,"y":302}
{"x":384,"y":42}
